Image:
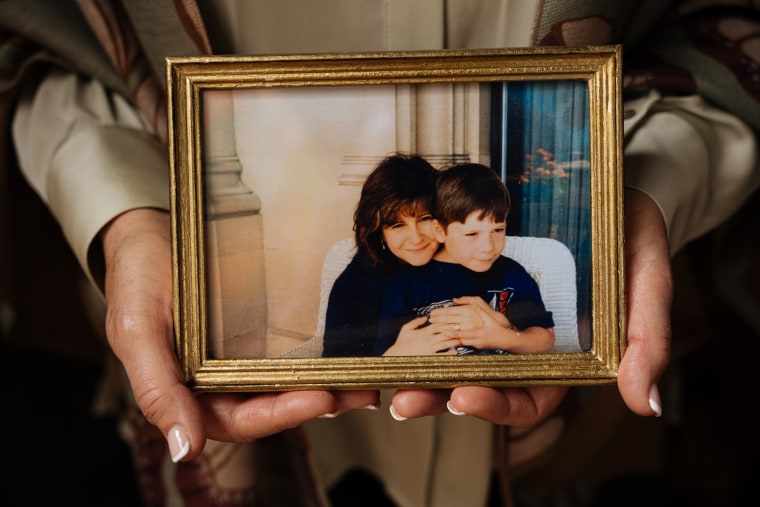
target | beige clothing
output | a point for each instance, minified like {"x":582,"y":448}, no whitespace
{"x":53,"y":130}
{"x":696,"y":161}
{"x":85,"y":173}
{"x":256,"y":27}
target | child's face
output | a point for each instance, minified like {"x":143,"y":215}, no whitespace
{"x":412,"y":239}
{"x":475,"y":243}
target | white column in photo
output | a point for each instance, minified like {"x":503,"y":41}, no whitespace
{"x":447,"y":123}
{"x":237,"y":318}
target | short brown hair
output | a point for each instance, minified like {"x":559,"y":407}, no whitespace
{"x":464,"y":188}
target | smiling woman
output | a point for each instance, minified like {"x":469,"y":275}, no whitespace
{"x":411,"y":238}
{"x":393,"y":227}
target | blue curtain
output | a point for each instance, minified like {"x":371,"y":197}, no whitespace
{"x":541,"y":144}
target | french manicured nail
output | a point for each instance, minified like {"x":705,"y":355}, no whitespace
{"x":395,"y":415}
{"x":330,"y":415}
{"x":179,"y":444}
{"x":453,"y":410}
{"x":373,"y":406}
{"x":654,"y":400}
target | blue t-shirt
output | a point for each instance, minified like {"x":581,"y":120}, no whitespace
{"x":414,"y":291}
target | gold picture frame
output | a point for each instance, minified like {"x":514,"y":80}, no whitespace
{"x":265,"y":173}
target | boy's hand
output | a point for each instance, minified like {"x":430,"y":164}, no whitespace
{"x":467,"y":314}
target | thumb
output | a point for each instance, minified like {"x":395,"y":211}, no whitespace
{"x":167,"y":403}
{"x":415,"y":323}
{"x":157,"y":382}
{"x":140,"y":328}
{"x":649,"y":295}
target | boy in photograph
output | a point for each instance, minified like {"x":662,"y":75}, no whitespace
{"x":471,"y":208}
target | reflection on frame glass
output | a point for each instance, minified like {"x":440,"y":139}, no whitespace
{"x":269,"y":156}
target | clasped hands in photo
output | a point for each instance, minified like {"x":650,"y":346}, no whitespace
{"x":139,"y":326}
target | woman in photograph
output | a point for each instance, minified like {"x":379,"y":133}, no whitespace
{"x":392,"y":228}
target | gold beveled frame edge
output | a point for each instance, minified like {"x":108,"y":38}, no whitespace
{"x":230,"y":72}
{"x":369,"y":373}
{"x":607,"y":219}
{"x":599,"y":66}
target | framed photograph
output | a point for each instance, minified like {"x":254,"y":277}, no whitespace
{"x":269,"y":155}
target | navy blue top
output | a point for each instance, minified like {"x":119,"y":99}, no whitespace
{"x":353,"y":310}
{"x":414,"y":291}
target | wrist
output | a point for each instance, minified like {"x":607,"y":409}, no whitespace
{"x":125,"y":227}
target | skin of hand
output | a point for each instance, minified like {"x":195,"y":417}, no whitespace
{"x":649,"y":290}
{"x":139,"y":327}
{"x":480,"y":326}
{"x":466,"y":313}
{"x":532,"y":340}
{"x":414,"y":340}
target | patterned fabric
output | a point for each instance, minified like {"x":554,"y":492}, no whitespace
{"x":711,"y":48}
{"x":140,"y":62}
{"x":268,"y":472}
{"x":26,"y":40}
{"x":113,"y":28}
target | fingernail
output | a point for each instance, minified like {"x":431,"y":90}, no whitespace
{"x":179,"y":444}
{"x":453,"y":410}
{"x":654,"y":400}
{"x":372,"y":406}
{"x":395,"y":415}
{"x":330,"y":415}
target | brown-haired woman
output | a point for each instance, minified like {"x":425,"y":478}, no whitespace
{"x":393,"y":227}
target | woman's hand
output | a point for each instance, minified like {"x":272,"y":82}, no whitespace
{"x":414,"y":340}
{"x":139,"y":326}
{"x":468,"y":314}
{"x":508,"y":406}
{"x":649,"y":291}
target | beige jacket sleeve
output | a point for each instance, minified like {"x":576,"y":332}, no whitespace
{"x":90,"y":156}
{"x":699,"y":163}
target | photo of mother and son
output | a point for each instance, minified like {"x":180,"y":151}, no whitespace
{"x":428,"y":276}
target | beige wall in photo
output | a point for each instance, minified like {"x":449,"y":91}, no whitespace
{"x":305,"y":152}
